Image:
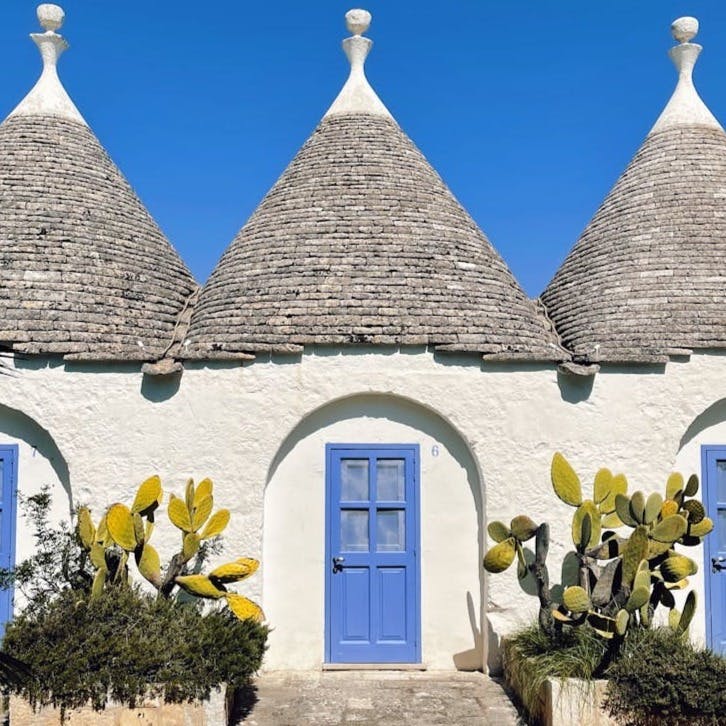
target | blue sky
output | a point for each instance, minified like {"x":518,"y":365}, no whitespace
{"x":529,"y":109}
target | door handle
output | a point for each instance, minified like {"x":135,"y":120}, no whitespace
{"x":717,"y":564}
{"x":338,"y":563}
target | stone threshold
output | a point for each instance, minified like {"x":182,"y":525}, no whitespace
{"x":374,"y":667}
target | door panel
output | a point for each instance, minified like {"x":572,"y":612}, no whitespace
{"x":372,"y":578}
{"x":714,"y":499}
{"x":8,"y":488}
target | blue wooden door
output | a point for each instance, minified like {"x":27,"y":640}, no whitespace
{"x":8,"y":487}
{"x":714,"y":495}
{"x":372,"y":563}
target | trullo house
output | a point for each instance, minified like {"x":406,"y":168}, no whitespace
{"x":362,"y":376}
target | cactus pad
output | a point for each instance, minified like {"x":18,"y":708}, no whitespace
{"x":576,"y":600}
{"x":235,"y":571}
{"x":179,"y":514}
{"x":199,"y":585}
{"x":622,"y":507}
{"x":670,"y":529}
{"x":523,"y":528}
{"x":674,"y":486}
{"x":677,"y":567}
{"x":498,"y":531}
{"x":653,"y":505}
{"x":148,"y":496}
{"x":702,"y":528}
{"x":243,"y":607}
{"x":120,"y":525}
{"x":565,"y":481}
{"x":696,"y":512}
{"x":499,"y":557}
{"x":216,"y":524}
{"x":149,"y":564}
{"x":691,"y":488}
{"x":204,"y":489}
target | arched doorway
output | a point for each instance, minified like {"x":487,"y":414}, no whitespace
{"x":449,"y":514}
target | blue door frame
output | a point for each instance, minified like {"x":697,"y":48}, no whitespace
{"x":713,"y":462}
{"x":372,"y":571}
{"x":8,"y":494}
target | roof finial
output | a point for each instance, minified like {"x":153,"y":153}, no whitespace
{"x":685,"y":106}
{"x":48,"y":97}
{"x":357,"y":95}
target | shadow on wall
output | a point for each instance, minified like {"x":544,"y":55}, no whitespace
{"x":18,"y":425}
{"x":431,"y":424}
{"x":713,"y":415}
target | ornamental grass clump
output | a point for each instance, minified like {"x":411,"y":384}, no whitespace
{"x":619,"y":580}
{"x":89,"y":633}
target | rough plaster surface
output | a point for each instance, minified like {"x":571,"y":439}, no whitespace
{"x":496,"y":425}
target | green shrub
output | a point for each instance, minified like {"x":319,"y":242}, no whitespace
{"x":125,"y":645}
{"x":660,"y":678}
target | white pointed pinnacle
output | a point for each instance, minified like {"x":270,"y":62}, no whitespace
{"x":685,"y":107}
{"x":51,"y":17}
{"x":358,"y":21}
{"x":684,"y":29}
{"x":48,"y":97}
{"x":357,"y":96}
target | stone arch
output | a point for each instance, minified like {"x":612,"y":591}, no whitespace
{"x":452,"y":535}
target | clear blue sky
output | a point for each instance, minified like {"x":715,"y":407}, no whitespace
{"x":529,"y":109}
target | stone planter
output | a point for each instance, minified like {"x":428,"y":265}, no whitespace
{"x":152,"y":712}
{"x":560,"y":702}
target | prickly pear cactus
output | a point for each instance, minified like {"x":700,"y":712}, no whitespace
{"x":123,"y":531}
{"x":622,"y":579}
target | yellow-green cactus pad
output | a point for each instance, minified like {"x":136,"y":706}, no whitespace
{"x":499,"y":557}
{"x":98,"y":556}
{"x":622,"y":507}
{"x":190,"y":545}
{"x":637,"y":507}
{"x":587,"y":508}
{"x":199,"y":585}
{"x":149,"y":564}
{"x":244,"y":608}
{"x":523,"y":528}
{"x":601,"y":486}
{"x":216,"y":524}
{"x":691,"y":488}
{"x":637,"y":599}
{"x":611,"y":521}
{"x":139,"y":529}
{"x":670,"y":529}
{"x":204,"y":489}
{"x":565,"y":481}
{"x":634,"y":551}
{"x":576,"y":600}
{"x":498,"y":531}
{"x":99,"y":580}
{"x":189,"y":492}
{"x":618,"y":485}
{"x":670,"y":506}
{"x":179,"y":514}
{"x":696,"y":511}
{"x":677,"y":567}
{"x":621,"y":622}
{"x":148,"y":496}
{"x":674,"y":486}
{"x":702,"y":528}
{"x":653,"y":505}
{"x":120,"y":525}
{"x":86,"y":530}
{"x":235,"y":571}
{"x":202,"y":512}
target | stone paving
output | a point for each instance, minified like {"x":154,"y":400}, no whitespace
{"x":383,"y":698}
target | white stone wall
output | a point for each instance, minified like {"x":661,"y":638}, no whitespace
{"x":259,"y":431}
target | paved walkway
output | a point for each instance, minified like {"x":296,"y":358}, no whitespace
{"x":380,"y":699}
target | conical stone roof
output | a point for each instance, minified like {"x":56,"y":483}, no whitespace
{"x":86,"y":271}
{"x":360,"y":241}
{"x":647,"y":278}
